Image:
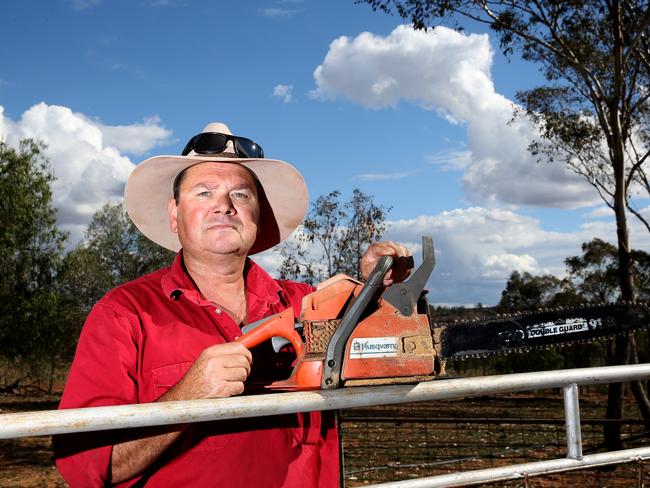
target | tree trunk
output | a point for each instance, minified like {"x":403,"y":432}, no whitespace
{"x":616,"y":143}
{"x":612,"y":431}
{"x":50,"y":387}
{"x":638,"y":389}
{"x":615,"y":392}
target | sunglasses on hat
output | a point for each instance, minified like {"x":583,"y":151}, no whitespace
{"x":216,"y":142}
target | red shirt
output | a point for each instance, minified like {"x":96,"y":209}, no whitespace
{"x":139,"y":340}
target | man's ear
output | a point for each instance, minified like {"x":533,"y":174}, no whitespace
{"x":172,"y":213}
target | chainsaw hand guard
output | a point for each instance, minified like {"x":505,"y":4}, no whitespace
{"x":278,"y":325}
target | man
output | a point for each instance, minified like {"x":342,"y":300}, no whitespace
{"x":169,"y":335}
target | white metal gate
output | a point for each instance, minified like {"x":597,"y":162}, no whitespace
{"x":164,"y":413}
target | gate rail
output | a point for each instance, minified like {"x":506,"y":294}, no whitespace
{"x":165,"y":413}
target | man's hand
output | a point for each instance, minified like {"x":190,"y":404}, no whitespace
{"x":218,"y":372}
{"x":402,"y":261}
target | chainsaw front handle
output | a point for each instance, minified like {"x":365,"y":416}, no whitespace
{"x":334,"y":356}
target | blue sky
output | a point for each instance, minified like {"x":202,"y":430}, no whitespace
{"x":419,"y":120}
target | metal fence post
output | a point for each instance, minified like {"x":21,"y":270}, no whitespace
{"x":572,"y":421}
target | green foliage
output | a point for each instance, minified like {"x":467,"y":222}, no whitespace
{"x":524,"y":291}
{"x":30,"y":243}
{"x":32,"y":322}
{"x":595,"y":273}
{"x":333,"y":238}
{"x":44,"y":296}
{"x":113,"y":252}
{"x":641,"y":261}
{"x":574,"y":356}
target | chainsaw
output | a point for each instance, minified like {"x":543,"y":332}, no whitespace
{"x":350,"y":333}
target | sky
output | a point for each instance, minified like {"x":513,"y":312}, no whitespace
{"x":353,"y":98}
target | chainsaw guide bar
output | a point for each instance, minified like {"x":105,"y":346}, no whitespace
{"x":523,"y":332}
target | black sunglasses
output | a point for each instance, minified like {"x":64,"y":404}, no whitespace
{"x":216,"y":142}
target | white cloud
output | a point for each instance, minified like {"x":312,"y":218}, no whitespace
{"x":449,"y":72}
{"x":85,"y":156}
{"x":500,"y":265}
{"x":135,"y":138}
{"x":407,"y":64}
{"x":451,"y":160}
{"x":285,"y":92}
{"x":477,"y":249}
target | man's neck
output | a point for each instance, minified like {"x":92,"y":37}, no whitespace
{"x":221,"y":280}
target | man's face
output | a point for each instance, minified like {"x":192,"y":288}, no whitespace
{"x":217,"y":210}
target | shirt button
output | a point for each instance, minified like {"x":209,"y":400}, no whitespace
{"x":217,"y":311}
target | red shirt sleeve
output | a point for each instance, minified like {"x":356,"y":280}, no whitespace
{"x":102,"y":374}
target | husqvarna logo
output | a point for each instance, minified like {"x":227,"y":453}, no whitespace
{"x":373,"y":347}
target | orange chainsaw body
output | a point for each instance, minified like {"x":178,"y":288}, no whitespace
{"x":384,"y":347}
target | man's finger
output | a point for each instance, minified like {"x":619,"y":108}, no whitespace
{"x":235,"y":361}
{"x":233,"y":388}
{"x":228,"y":348}
{"x":235,"y":374}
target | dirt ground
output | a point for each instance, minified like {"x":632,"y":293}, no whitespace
{"x":409,"y":441}
{"x":27,"y":462}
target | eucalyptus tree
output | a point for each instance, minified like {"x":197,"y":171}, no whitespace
{"x":333,"y":237}
{"x":31,"y":248}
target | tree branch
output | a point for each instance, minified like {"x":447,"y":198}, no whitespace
{"x":636,"y":40}
{"x":638,"y":216}
{"x":636,"y":167}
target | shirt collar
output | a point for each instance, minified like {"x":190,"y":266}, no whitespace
{"x":260,"y":286}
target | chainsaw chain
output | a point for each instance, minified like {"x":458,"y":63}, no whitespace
{"x":512,"y":333}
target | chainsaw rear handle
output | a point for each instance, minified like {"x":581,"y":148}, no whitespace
{"x":278,"y":325}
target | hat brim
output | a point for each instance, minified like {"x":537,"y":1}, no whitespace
{"x":283,"y":204}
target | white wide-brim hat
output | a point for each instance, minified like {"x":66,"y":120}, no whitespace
{"x":283,"y":203}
